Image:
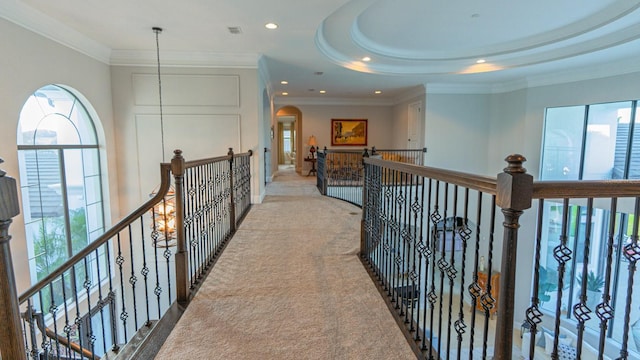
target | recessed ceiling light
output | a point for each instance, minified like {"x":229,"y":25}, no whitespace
{"x":285,"y":93}
{"x":284,"y":82}
{"x":481,"y":61}
{"x":323,"y":91}
{"x":378,"y":92}
{"x":366,"y":59}
{"x":271,"y":26}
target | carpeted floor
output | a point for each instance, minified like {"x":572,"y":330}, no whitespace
{"x":290,"y":286}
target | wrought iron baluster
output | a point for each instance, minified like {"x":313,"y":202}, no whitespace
{"x":604,"y":311}
{"x":78,"y":319}
{"x":465,"y":233}
{"x":533,"y":313}
{"x":87,"y":286}
{"x":474,"y":289}
{"x":433,"y":296}
{"x":189,"y":220}
{"x":632,"y":253}
{"x":100,"y":301}
{"x":581,"y":310}
{"x":404,"y":240}
{"x":428,"y":252}
{"x":443,"y":265}
{"x":145,"y":276}
{"x":123,"y":311}
{"x":67,"y":327}
{"x":133,"y":279}
{"x":387,"y":244}
{"x":562,"y":254}
{"x":421,"y":247}
{"x":114,"y":332}
{"x":53,"y":309}
{"x":451,"y":271}
{"x":488,"y":301}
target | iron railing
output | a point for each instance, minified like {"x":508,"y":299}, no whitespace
{"x":340,"y":172}
{"x":430,"y":242}
{"x":267,"y":165}
{"x":124,"y":282}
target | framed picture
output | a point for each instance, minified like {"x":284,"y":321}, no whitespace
{"x":349,"y":132}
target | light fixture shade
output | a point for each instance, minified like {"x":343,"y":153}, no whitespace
{"x":163,"y":220}
{"x":313,"y":141}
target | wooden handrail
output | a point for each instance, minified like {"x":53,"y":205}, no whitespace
{"x":475,"y":182}
{"x":75,"y":347}
{"x":585,"y":189}
{"x":199,"y":162}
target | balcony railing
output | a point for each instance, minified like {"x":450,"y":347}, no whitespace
{"x":430,"y":239}
{"x":141,"y":272}
{"x":340,"y":172}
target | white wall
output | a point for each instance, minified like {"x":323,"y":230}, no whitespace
{"x":316,"y":120}
{"x":205,"y":112}
{"x":457,"y":131}
{"x":28,"y":62}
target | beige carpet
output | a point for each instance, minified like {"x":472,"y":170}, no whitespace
{"x":290,"y":286}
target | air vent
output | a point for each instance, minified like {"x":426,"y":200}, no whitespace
{"x":235,"y":30}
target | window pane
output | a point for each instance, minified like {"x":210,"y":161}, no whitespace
{"x":90,"y":162}
{"x":92,"y":189}
{"x":51,"y":246}
{"x":602,"y":130}
{"x":94,"y":219}
{"x":562,"y":143}
{"x":56,"y":129}
{"x":82,"y":121}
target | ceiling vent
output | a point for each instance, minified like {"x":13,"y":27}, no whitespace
{"x":235,"y":30}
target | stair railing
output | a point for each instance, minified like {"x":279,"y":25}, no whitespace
{"x":115,"y":290}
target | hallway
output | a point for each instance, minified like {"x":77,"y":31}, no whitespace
{"x":290,"y":286}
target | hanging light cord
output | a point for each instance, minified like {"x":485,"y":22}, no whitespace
{"x":158,"y":30}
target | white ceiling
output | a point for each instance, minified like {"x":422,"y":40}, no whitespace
{"x":410,"y":42}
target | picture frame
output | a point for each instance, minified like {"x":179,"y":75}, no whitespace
{"x":349,"y":132}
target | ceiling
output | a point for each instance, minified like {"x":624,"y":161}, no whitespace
{"x":320,"y":45}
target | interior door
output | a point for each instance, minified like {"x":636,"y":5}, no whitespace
{"x":413,"y":129}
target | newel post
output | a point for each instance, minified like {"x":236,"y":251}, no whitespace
{"x":11,"y":344}
{"x":365,"y":189}
{"x":514,"y":194}
{"x":232,"y":201}
{"x":182,"y":258}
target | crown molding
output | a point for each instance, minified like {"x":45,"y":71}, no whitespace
{"x":184,"y":58}
{"x":43,"y":25}
{"x":417,"y":91}
{"x":288,"y":100}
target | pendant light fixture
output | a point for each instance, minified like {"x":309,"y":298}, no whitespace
{"x":164,"y":213}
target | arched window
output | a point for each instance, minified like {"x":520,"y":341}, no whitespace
{"x":61,"y":182}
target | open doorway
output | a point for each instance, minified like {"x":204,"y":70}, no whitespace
{"x":289,"y":125}
{"x":286,"y":138}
